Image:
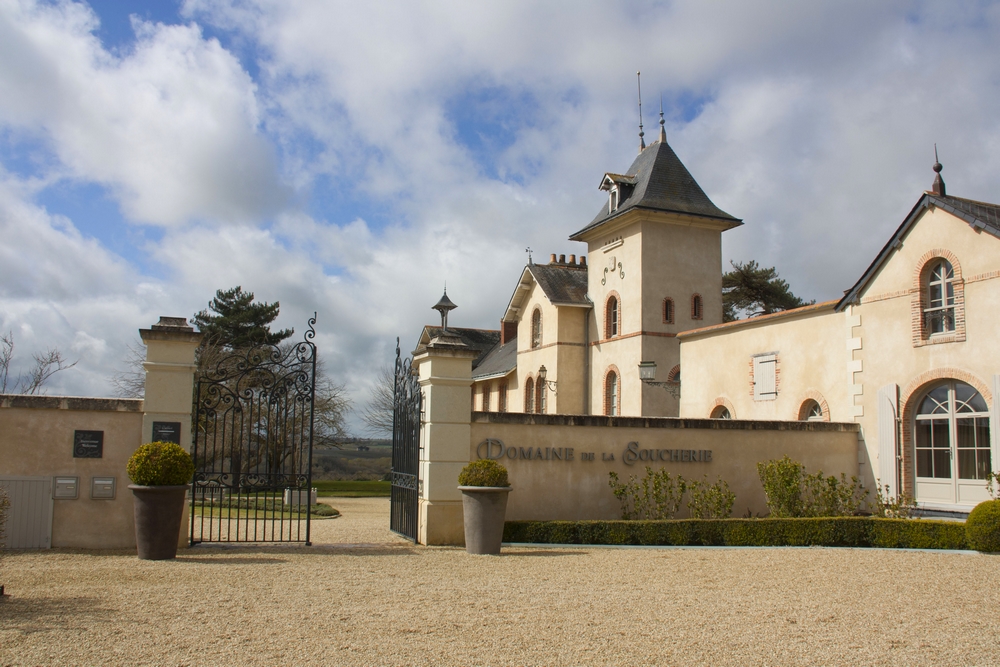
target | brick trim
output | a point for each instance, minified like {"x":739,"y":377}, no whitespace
{"x":668,"y":310}
{"x":604,"y":390}
{"x":674,"y":372}
{"x":722,"y":402}
{"x":908,"y":397}
{"x":612,"y":294}
{"x":697,"y":307}
{"x":810,"y":396}
{"x":918,"y":300}
{"x":556,"y":344}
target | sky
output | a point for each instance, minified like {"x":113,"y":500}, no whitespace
{"x":349,"y":159}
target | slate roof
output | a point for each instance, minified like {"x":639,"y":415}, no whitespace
{"x":481,"y":340}
{"x":499,"y":361}
{"x":562,"y":284}
{"x":979,"y":215}
{"x":662,"y":183}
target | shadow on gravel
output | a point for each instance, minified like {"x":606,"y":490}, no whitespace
{"x":540,"y":553}
{"x":232,"y":560}
{"x":30,"y":615}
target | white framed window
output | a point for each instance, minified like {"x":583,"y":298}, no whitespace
{"x":529,"y":395}
{"x":612,"y":323}
{"x":765,"y":377}
{"x":939,"y":315}
{"x":536,"y":328}
{"x":611,"y":398}
{"x":721,"y":412}
{"x":952,"y":434}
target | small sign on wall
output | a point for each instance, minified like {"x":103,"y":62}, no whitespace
{"x":88,"y":444}
{"x":167,"y":432}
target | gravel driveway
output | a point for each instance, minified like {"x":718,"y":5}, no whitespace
{"x":363,"y":596}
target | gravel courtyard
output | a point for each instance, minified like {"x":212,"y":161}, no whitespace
{"x":362,"y":596}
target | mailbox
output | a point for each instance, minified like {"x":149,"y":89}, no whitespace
{"x":66,"y":488}
{"x":102,"y":488}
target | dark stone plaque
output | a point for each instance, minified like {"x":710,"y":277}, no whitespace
{"x":88,"y":444}
{"x":167,"y":432}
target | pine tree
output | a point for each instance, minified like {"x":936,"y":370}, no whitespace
{"x":751,"y":290}
{"x":238,"y":321}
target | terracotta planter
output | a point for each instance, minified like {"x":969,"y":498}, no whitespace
{"x":484,"y":508}
{"x":158,"y":514}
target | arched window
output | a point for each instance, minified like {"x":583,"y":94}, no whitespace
{"x":939,"y":313}
{"x":612,"y":317}
{"x":502,"y":397}
{"x":721,"y":412}
{"x":541,"y":400}
{"x":811,"y":411}
{"x":612,"y":398}
{"x":486,"y":397}
{"x":529,"y":395}
{"x":668,"y":311}
{"x":697,"y":308}
{"x":952,"y":435}
{"x":674,"y":375}
{"x":536,"y":328}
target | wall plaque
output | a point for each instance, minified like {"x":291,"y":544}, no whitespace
{"x":88,"y":444}
{"x":167,"y":432}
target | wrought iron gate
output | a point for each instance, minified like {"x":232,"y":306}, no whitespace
{"x":405,"y":449}
{"x":253,"y":437}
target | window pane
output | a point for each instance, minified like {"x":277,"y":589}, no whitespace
{"x":925,"y":467}
{"x":936,"y":402}
{"x":939,"y":434}
{"x":923,"y":434}
{"x":935,"y":294}
{"x":984,"y":460}
{"x":967,"y":464}
{"x":967,"y":399}
{"x":942,"y":463}
{"x":965,"y":432}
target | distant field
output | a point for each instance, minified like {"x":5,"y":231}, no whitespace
{"x":350,"y":489}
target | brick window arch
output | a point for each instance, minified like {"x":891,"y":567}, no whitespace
{"x":536,"y":328}
{"x":814,"y":409}
{"x":612,"y":315}
{"x":529,"y":395}
{"x":675,"y":374}
{"x":937,"y":307}
{"x":612,"y":392}
{"x":697,"y":307}
{"x":668,"y":311}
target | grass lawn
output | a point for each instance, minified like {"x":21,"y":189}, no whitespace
{"x":349,"y":489}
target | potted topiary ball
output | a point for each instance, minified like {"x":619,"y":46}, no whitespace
{"x":160,"y":472}
{"x":982,"y":528}
{"x":484,"y":488}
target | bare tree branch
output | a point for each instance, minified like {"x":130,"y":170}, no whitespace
{"x":378,"y":412}
{"x":130,"y":382}
{"x":46,"y":365}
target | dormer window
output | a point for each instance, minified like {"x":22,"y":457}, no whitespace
{"x":619,"y":187}
{"x":613,"y":199}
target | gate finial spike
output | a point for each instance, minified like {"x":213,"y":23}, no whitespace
{"x":938,"y":186}
{"x":663,"y":131}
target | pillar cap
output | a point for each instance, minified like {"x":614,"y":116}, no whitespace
{"x":171,"y":328}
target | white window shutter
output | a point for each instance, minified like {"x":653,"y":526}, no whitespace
{"x":764,"y":378}
{"x":888,"y":438}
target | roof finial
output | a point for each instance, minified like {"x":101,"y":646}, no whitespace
{"x":443,"y":306}
{"x":938,"y":187}
{"x":528,"y":250}
{"x":642,"y":141}
{"x":663,"y":131}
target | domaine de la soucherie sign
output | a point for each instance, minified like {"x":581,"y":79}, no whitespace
{"x":492,"y":448}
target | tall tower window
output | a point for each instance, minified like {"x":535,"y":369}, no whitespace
{"x":939,"y":316}
{"x":668,"y":311}
{"x":697,"y":307}
{"x":529,"y":395}
{"x":612,"y":406}
{"x":612,"y":314}
{"x":536,"y":328}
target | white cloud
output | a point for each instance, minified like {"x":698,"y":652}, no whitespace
{"x":171,"y":127}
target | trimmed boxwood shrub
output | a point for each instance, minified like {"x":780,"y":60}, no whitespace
{"x":982,"y":528}
{"x":813,"y":531}
{"x":484,"y":472}
{"x":160,"y":464}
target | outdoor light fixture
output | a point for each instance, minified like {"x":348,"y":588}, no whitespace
{"x":551,"y":384}
{"x":647,"y":373}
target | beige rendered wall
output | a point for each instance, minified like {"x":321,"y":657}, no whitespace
{"x":36,"y":439}
{"x":576,"y":487}
{"x":886,"y":352}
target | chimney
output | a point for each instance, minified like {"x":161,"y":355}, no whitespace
{"x":562,"y":259}
{"x":583,"y":260}
{"x":552,"y":258}
{"x":572,"y":260}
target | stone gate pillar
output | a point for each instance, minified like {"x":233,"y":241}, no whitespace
{"x":170,"y":367}
{"x":445,"y":371}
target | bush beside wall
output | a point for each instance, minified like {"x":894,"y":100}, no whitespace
{"x":819,"y":531}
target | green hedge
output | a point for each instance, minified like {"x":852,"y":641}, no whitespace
{"x":820,"y":531}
